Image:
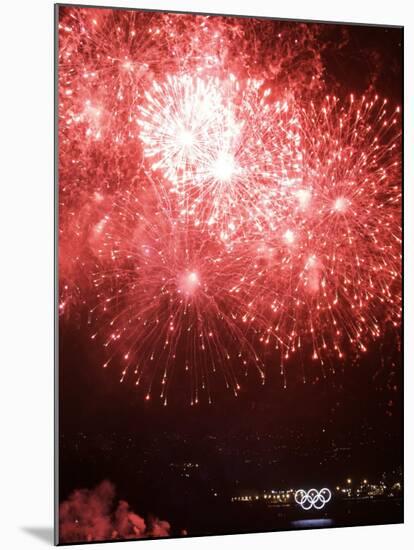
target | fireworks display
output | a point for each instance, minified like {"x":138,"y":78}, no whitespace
{"x":218,"y":214}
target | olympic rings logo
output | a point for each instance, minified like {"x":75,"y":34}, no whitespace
{"x":313,"y":498}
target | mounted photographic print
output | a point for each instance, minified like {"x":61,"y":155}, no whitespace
{"x":229,"y":274}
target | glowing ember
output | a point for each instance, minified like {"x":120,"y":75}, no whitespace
{"x":223,"y":167}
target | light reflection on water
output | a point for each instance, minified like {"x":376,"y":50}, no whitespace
{"x":312,"y":523}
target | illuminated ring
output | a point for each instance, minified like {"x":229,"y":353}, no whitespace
{"x":313,"y":498}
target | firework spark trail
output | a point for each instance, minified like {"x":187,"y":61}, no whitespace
{"x":224,"y":149}
{"x":172,"y":295}
{"x":338,"y":253}
{"x":231,"y":218}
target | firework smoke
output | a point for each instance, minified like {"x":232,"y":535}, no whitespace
{"x":90,"y":515}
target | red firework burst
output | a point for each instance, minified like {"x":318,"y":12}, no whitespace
{"x":224,"y":148}
{"x":173,"y":298}
{"x":228,"y":220}
{"x":338,"y":251}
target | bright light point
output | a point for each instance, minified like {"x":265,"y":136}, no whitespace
{"x":304,"y":197}
{"x":189,"y":282}
{"x":98,"y":196}
{"x":341,"y":204}
{"x":224,"y":167}
{"x":193,"y":278}
{"x":289,"y":236}
{"x":185,"y":138}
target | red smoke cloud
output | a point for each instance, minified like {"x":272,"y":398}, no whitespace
{"x":93,"y":515}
